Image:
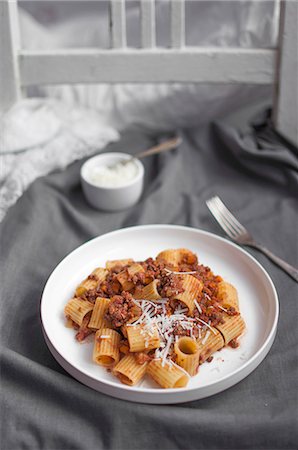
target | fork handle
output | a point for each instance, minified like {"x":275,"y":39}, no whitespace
{"x":291,"y":270}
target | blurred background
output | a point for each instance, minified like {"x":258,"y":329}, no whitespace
{"x":53,"y":24}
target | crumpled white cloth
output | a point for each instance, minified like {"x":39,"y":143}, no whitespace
{"x":38,"y":136}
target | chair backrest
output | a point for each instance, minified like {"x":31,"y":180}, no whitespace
{"x":21,"y":68}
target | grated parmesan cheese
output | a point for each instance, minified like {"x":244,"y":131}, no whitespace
{"x":206,"y":337}
{"x":114,"y":176}
{"x":198,"y":306}
{"x":154,"y":316}
{"x":207,"y":325}
{"x":221,"y":307}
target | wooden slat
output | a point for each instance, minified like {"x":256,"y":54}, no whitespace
{"x":177,"y":23}
{"x":148,"y":23}
{"x":161,"y":65}
{"x":9,"y":45}
{"x":286,"y":101}
{"x":118,"y":23}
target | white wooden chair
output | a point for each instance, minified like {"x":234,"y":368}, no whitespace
{"x":119,"y":64}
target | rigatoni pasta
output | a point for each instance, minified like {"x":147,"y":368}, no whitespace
{"x":187,"y":354}
{"x":159,"y":318}
{"x":97,"y":320}
{"x":174,"y":258}
{"x":92,"y":281}
{"x":228,"y":295}
{"x":209,"y":342}
{"x":232,"y":327}
{"x":125,"y":277}
{"x":148,"y":292}
{"x":76,"y":309}
{"x":119,"y":263}
{"x":142,"y":339}
{"x":191,"y":289}
{"x":168,"y":375}
{"x":129,"y":371}
{"x":106,"y":347}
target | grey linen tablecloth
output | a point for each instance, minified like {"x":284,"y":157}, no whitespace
{"x":45,"y":408}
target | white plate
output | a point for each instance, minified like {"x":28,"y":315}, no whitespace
{"x":257,"y":297}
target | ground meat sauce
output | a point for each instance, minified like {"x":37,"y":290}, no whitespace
{"x":111,"y":286}
{"x":153,"y":269}
{"x":234,"y":343}
{"x":118,"y":269}
{"x":180,"y":331}
{"x":92,"y":276}
{"x":189,"y":263}
{"x":210,"y":281}
{"x":170,"y":285}
{"x":121,"y":309}
{"x":138,"y":278}
{"x":92,"y":295}
{"x":142,"y":357}
{"x":231,"y":311}
{"x":210,"y":314}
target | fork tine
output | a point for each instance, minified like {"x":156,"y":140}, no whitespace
{"x":221,"y":219}
{"x":229,"y":216}
{"x":227,"y":223}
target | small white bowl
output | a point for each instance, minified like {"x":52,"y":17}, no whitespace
{"x":111,"y":198}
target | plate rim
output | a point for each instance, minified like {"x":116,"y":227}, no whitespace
{"x":167,"y":392}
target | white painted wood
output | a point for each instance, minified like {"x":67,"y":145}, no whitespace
{"x":148,"y":23}
{"x":118,"y":23}
{"x":177,"y":23}
{"x":19,"y":69}
{"x":286,"y":104}
{"x":9,"y":44}
{"x":196,"y":65}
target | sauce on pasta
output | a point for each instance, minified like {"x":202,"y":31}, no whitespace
{"x":161,"y":317}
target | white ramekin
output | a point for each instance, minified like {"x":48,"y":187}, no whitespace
{"x":111,"y":198}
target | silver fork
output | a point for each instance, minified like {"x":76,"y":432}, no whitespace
{"x":239,"y":234}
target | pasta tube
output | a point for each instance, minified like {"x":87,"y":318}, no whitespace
{"x":209,"y":342}
{"x":118,"y":263}
{"x":232,"y":327}
{"x":92,"y":281}
{"x":140,"y":339}
{"x":227,"y":295}
{"x":192,"y":290}
{"x":124,"y":330}
{"x":106,"y":347}
{"x":168,"y":376}
{"x":125,"y":276}
{"x":124,"y":347}
{"x":98,"y":320}
{"x":188,"y":354}
{"x":126,"y":326}
{"x":176,"y":257}
{"x":76,"y":309}
{"x":148,"y":292}
{"x":129,"y":371}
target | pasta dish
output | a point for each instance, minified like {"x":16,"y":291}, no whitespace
{"x":163,"y":317}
